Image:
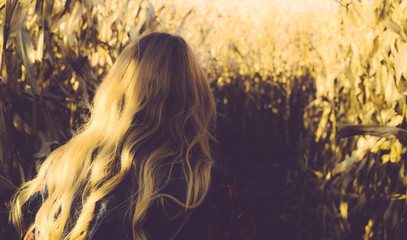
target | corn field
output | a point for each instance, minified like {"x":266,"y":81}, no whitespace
{"x":311,"y":112}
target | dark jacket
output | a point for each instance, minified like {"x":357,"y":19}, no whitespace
{"x":220,"y":216}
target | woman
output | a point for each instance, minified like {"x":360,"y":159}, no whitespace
{"x":141,"y":167}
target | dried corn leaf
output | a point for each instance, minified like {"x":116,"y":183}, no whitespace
{"x":26,"y":51}
{"x":20,"y":124}
{"x":16,"y":12}
{"x":3,"y":136}
{"x":400,"y":68}
{"x":6,"y":184}
{"x":343,"y":208}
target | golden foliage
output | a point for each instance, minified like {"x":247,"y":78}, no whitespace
{"x":314,"y":71}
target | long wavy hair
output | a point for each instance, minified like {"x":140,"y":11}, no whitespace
{"x":152,"y":114}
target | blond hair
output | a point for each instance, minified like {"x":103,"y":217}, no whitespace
{"x":153,"y":113}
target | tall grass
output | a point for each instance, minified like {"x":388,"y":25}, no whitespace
{"x":286,"y":86}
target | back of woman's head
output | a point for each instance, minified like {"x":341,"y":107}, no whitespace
{"x":151,"y":119}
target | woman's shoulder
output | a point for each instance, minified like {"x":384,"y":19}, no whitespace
{"x":223,"y":185}
{"x":220,"y":173}
{"x":222,"y":214}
